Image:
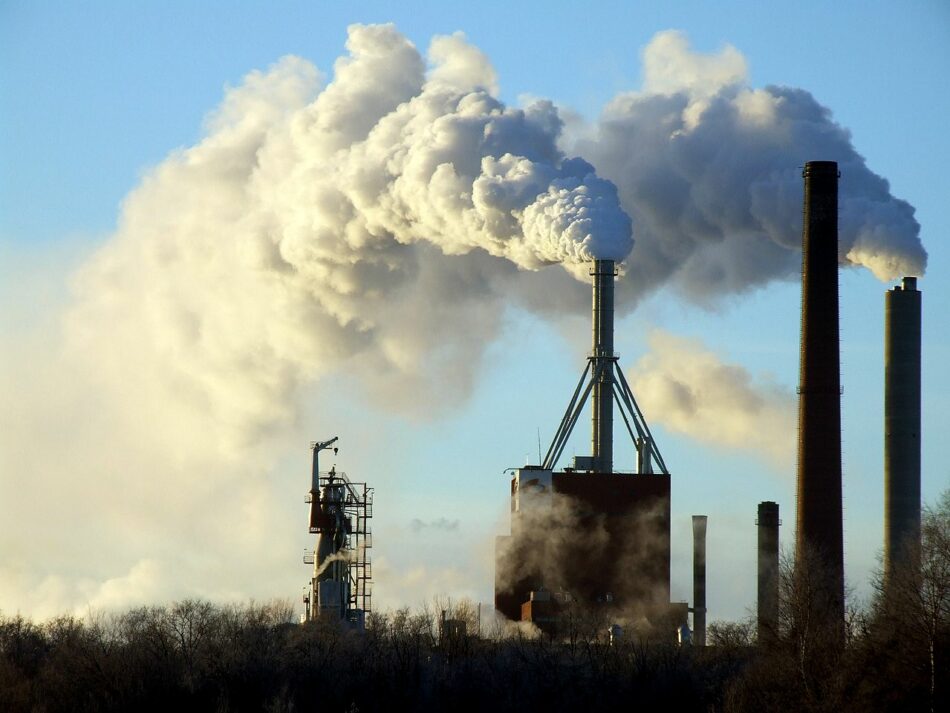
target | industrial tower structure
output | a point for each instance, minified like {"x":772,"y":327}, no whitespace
{"x":341,"y":586}
{"x":902,"y":427}
{"x":587,"y":535}
{"x":819,"y":532}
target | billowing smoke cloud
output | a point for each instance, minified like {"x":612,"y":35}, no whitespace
{"x":550,"y":542}
{"x":687,"y":389}
{"x":361,"y":222}
{"x":557,"y":543}
{"x":371,"y":229}
{"x":710,"y":169}
{"x":379,"y":222}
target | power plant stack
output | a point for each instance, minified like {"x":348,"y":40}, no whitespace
{"x":588,"y":536}
{"x":768,"y":524}
{"x":699,"y":580}
{"x":902,"y":427}
{"x":819,"y":515}
{"x":602,"y":360}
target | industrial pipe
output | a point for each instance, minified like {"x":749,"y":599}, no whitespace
{"x":699,"y":580}
{"x":602,"y":357}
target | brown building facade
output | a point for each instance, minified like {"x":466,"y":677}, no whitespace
{"x":595,"y":539}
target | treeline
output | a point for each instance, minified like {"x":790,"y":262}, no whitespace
{"x":892,"y":655}
{"x":198,"y":656}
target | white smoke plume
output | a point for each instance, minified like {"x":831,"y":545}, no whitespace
{"x":316,"y":226}
{"x":689,"y":390}
{"x":380,"y":221}
{"x":710,"y":170}
{"x":549,"y":542}
{"x":371,"y":230}
{"x":557,"y":543}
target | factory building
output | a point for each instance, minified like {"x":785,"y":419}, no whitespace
{"x":594,"y":539}
{"x":587,"y":536}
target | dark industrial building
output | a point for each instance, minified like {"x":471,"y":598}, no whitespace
{"x":618,"y":557}
{"x":587,"y":536}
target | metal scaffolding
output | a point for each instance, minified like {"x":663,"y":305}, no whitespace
{"x":356,"y":509}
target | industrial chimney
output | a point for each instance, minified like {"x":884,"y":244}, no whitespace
{"x":901,"y":427}
{"x":768,"y":522}
{"x":602,"y":363}
{"x":699,"y":580}
{"x":819,"y":525}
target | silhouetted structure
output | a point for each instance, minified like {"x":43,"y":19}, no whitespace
{"x":819,"y":525}
{"x":699,"y":580}
{"x":902,"y":426}
{"x":768,"y":524}
{"x":594,"y":540}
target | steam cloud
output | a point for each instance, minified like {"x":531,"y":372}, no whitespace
{"x":558,"y":544}
{"x":372,"y":229}
{"x":710,"y":168}
{"x":686,"y":388}
{"x":380,"y":221}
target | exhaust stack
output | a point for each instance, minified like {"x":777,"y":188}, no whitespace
{"x":602,"y":380}
{"x":819,"y":524}
{"x":768,"y":523}
{"x":699,"y":580}
{"x":602,"y":364}
{"x":902,"y":427}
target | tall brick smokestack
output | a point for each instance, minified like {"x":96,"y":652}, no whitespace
{"x":901,"y":427}
{"x":819,"y":525}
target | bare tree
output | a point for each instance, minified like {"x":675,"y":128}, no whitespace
{"x":913,"y":606}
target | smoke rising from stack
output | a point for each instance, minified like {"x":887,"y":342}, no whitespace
{"x":559,"y":543}
{"x":375,"y":227}
{"x":709,"y":168}
{"x":381,"y":220}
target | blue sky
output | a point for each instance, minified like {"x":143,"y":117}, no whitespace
{"x":92,"y":95}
